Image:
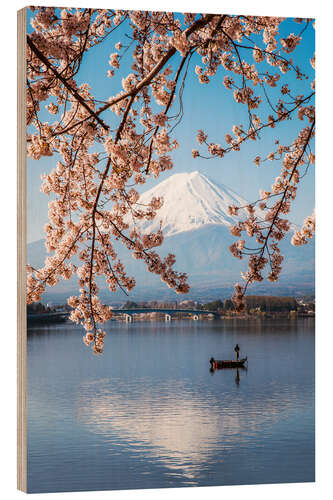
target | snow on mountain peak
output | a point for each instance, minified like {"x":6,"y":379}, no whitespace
{"x":191,"y":201}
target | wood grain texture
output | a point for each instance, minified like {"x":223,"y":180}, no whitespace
{"x":21,"y":253}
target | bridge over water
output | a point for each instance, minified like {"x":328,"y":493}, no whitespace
{"x":55,"y":317}
{"x":168,"y":312}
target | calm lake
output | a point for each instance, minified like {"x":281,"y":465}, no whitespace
{"x":149,"y":414}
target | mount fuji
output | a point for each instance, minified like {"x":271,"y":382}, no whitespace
{"x":195,"y":223}
{"x":191,"y":201}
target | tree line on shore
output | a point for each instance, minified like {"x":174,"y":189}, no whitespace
{"x":254,"y":303}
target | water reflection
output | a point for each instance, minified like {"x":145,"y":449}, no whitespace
{"x":237,"y":370}
{"x":237,"y":377}
{"x":177,"y":427}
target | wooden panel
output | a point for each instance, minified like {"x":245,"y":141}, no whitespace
{"x":21,"y":253}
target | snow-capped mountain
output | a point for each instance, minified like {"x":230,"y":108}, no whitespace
{"x":195,"y":224}
{"x":191,"y":201}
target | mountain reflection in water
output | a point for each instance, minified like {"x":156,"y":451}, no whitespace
{"x":174,"y":425}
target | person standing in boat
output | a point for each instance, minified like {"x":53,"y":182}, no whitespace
{"x":237,"y":352}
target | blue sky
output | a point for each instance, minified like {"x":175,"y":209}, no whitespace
{"x":208,"y":107}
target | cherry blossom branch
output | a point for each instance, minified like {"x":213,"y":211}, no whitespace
{"x":240,"y":291}
{"x":200,"y":23}
{"x":75,"y":94}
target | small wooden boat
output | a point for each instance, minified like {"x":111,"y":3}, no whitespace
{"x":227,"y":363}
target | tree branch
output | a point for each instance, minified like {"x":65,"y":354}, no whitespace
{"x":74,"y":93}
{"x":195,"y":27}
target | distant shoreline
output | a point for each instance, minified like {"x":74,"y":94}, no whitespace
{"x":56,"y":318}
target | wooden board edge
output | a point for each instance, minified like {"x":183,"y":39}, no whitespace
{"x":21,"y":253}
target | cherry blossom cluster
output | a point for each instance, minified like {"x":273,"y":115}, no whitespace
{"x":306,"y":233}
{"x":265,"y":220}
